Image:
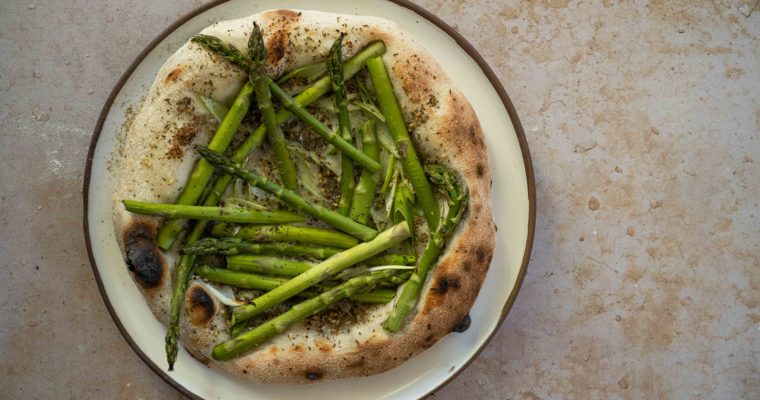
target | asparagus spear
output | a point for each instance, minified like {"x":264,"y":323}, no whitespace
{"x":257,"y":55}
{"x":289,"y":197}
{"x":457,"y":202}
{"x":286,"y":233}
{"x":181,"y":276}
{"x":239,"y":279}
{"x":299,"y":312}
{"x":266,"y":283}
{"x":397,"y":127}
{"x":202,"y":172}
{"x":365,"y":189}
{"x":226,"y":214}
{"x":267,"y":265}
{"x":233,"y":245}
{"x":308,"y":96}
{"x":335,"y":68}
{"x":329,"y":267}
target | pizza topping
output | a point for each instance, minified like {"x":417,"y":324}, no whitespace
{"x":328,"y":247}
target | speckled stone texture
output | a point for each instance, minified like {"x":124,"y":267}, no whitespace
{"x":643,"y":121}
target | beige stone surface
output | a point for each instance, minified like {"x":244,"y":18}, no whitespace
{"x":643,"y":119}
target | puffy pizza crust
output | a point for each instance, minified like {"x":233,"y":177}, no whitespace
{"x":155,"y":160}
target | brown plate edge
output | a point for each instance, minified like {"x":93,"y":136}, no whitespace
{"x":458,"y":38}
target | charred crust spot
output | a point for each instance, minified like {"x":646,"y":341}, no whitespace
{"x":183,"y":137}
{"x":357,"y":363}
{"x":473,"y":134}
{"x":462,"y":325}
{"x":277,"y":46}
{"x":289,"y":14}
{"x":201,"y":306}
{"x":172,"y":77}
{"x":313,"y":375}
{"x":143,"y":256}
{"x":446,"y":283}
{"x":324,"y":346}
{"x":480,"y":170}
{"x":480,"y":254}
{"x":429,"y":341}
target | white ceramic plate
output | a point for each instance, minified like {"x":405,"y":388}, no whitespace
{"x":513,"y":199}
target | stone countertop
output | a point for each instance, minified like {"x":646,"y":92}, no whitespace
{"x":643,"y":120}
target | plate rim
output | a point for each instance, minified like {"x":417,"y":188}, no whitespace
{"x":417,"y":9}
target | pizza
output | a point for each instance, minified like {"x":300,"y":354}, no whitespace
{"x":282,"y":207}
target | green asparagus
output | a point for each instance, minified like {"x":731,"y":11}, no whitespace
{"x":257,"y":55}
{"x":226,"y":214}
{"x":299,"y":312}
{"x":394,"y":119}
{"x":269,"y":265}
{"x":308,"y":96}
{"x":319,"y":272}
{"x":233,"y":245}
{"x":365,"y":189}
{"x":457,"y":202}
{"x":289,"y":197}
{"x":335,"y":68}
{"x":286,"y":233}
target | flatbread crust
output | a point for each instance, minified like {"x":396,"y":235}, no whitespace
{"x":156,"y":158}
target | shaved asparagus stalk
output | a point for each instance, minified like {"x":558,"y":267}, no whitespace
{"x":226,"y":214}
{"x":289,"y":197}
{"x":327,"y":268}
{"x":394,"y":119}
{"x":299,"y":312}
{"x":310,"y":72}
{"x":196,"y":183}
{"x":457,"y":202}
{"x":365,"y":189}
{"x":335,"y":68}
{"x":286,"y":233}
{"x":257,"y":55}
{"x":388,"y":174}
{"x":217,"y":109}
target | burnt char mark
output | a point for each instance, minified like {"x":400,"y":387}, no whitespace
{"x":480,"y":254}
{"x":313,"y":375}
{"x":172,"y":77}
{"x":201,"y":306}
{"x":278,"y":44}
{"x":480,"y":170}
{"x":446,"y":283}
{"x":462,"y":325}
{"x":143,"y":257}
{"x":280,"y":25}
